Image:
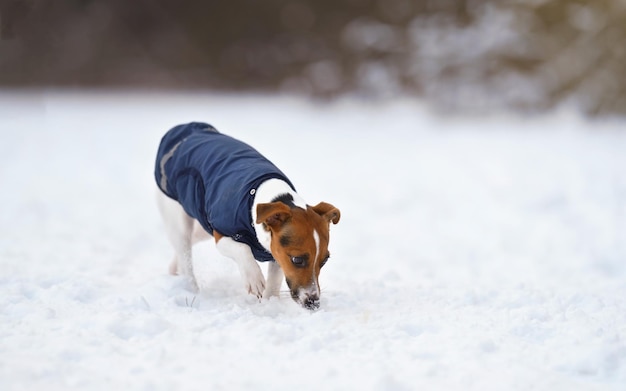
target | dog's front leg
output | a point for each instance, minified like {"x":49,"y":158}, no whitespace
{"x":275,"y":277}
{"x":253,"y":279}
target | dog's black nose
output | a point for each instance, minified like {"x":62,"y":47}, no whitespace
{"x":312,"y":302}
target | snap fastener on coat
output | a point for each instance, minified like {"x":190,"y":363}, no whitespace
{"x":252,"y":191}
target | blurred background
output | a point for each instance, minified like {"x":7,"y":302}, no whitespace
{"x":458,"y":55}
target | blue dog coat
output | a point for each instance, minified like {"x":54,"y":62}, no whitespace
{"x":214,"y":177}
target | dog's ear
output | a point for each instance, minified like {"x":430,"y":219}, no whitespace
{"x":273,"y":214}
{"x":327,"y":211}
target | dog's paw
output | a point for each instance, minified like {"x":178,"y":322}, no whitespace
{"x":272,"y":288}
{"x":254,"y":281}
{"x":174,"y":267}
{"x":192,"y":284}
{"x":186,"y":283}
{"x":268,"y":293}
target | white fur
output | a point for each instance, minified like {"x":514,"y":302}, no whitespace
{"x":316,"y":237}
{"x":265,"y":193}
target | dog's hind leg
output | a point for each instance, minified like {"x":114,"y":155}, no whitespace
{"x":179,"y":228}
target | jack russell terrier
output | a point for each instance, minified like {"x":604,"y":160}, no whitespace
{"x":214,"y":185}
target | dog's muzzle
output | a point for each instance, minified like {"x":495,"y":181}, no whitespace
{"x":311,"y":302}
{"x":308,"y":298}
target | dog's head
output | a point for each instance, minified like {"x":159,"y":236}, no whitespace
{"x":299,"y":244}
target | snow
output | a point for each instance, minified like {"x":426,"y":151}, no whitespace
{"x":472,"y":253}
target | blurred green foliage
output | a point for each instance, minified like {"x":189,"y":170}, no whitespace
{"x":456,"y":54}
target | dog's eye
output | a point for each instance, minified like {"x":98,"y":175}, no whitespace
{"x":324,"y":261}
{"x":299,"y":261}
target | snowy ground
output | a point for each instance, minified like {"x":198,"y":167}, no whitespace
{"x":472,"y":253}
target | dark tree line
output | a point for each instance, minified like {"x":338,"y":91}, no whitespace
{"x":457,"y":54}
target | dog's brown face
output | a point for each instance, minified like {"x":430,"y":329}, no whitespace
{"x":299,"y":244}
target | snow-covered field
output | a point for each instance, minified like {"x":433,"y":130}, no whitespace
{"x":472,"y":254}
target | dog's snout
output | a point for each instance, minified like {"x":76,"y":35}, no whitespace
{"x":311,"y":301}
{"x":308,"y":297}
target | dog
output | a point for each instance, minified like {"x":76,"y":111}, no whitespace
{"x":212,"y":185}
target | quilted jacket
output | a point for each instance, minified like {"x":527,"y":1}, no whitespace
{"x":214,"y":177}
